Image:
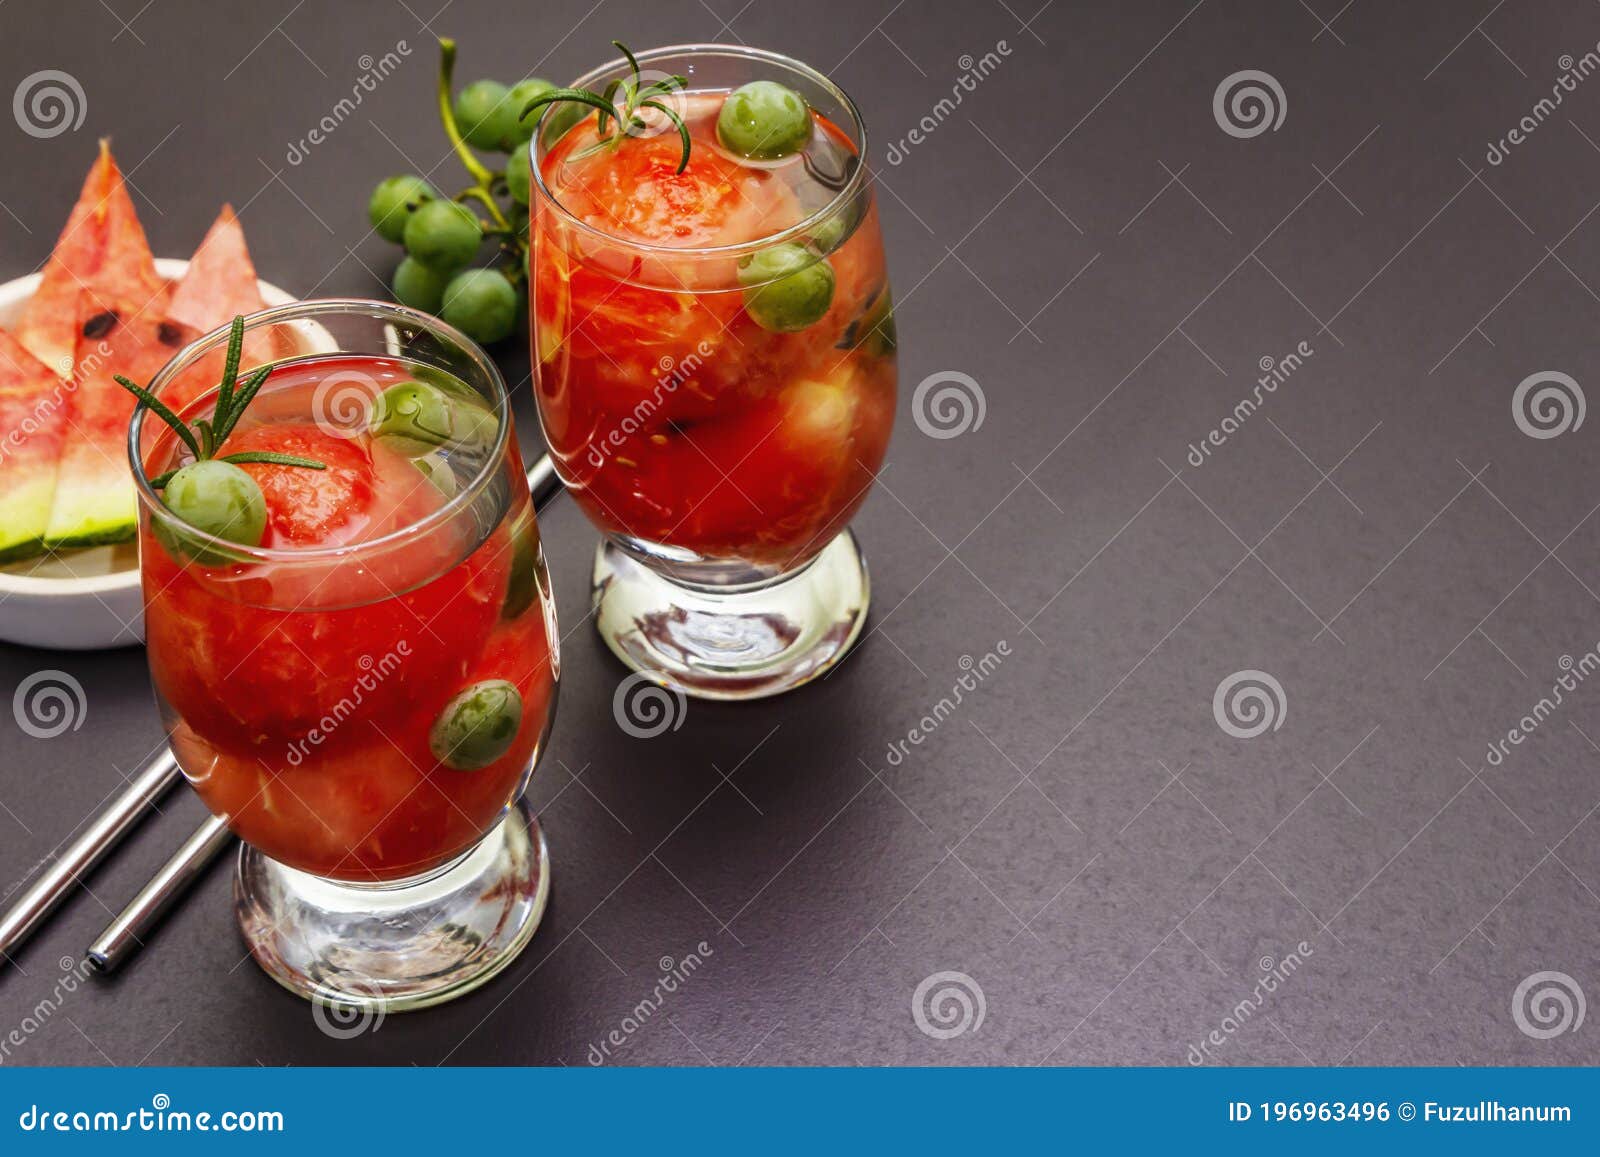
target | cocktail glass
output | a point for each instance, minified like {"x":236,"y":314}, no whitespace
{"x":720,"y":434}
{"x":364,"y":696}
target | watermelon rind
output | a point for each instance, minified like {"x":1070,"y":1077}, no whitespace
{"x":92,"y":509}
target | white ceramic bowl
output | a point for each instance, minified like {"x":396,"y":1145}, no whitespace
{"x":81,"y":600}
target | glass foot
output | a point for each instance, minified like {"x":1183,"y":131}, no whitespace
{"x":395,"y":947}
{"x":732,"y":643}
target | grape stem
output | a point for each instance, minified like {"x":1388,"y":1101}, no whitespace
{"x":483,"y":190}
{"x":479,"y":193}
{"x":447,"y":66}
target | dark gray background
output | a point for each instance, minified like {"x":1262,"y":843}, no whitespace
{"x":1080,"y":838}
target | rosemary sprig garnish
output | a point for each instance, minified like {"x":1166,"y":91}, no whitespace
{"x":207,"y":435}
{"x":634,"y":95}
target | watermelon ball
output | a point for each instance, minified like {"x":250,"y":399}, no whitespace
{"x":486,"y":116}
{"x":419,"y":286}
{"x":518,"y":175}
{"x":478,"y":726}
{"x":392,"y":202}
{"x":215,"y":497}
{"x":443,"y":235}
{"x":764,"y":121}
{"x":787,"y":288}
{"x":482,"y":304}
{"x":522,"y":93}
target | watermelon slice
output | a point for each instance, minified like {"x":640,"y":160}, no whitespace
{"x":33,"y":413}
{"x":94,"y":500}
{"x":49,"y":322}
{"x":120,"y":312}
{"x":219,"y":284}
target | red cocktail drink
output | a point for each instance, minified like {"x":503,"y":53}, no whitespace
{"x":715,"y":361}
{"x":362,"y":690}
{"x":299,"y":696}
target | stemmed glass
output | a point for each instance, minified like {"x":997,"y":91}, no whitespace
{"x":364,"y":696}
{"x":714,"y":358}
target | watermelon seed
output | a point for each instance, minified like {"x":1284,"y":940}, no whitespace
{"x":170,"y":334}
{"x":100,"y":324}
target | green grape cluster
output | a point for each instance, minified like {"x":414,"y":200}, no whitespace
{"x":444,"y":236}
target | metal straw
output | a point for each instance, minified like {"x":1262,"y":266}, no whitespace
{"x":103,"y":834}
{"x":125,"y":935}
{"x":153,"y":900}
